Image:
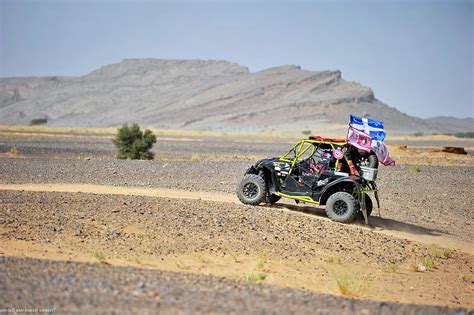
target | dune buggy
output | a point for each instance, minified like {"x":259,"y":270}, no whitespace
{"x":319,"y":171}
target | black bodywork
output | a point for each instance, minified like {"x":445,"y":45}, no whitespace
{"x":314,"y":177}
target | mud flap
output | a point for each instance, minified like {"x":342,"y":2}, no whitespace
{"x":364,"y":209}
{"x":376,"y":193}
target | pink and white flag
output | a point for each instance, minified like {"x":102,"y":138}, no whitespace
{"x":359,"y":139}
{"x":381,"y":151}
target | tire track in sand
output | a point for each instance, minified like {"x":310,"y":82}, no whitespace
{"x":378,"y":225}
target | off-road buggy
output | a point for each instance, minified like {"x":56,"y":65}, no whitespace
{"x":320,"y":171}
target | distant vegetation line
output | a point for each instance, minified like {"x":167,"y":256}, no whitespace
{"x":39,"y":130}
{"x":469,"y":134}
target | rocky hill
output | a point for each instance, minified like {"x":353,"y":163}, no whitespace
{"x":453,"y":122}
{"x":201,"y":95}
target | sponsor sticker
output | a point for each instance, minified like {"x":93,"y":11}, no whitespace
{"x":338,"y":154}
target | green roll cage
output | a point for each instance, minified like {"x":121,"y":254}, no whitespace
{"x":303,"y":146}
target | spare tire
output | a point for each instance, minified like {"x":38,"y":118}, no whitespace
{"x":373,"y":160}
{"x":370,"y":160}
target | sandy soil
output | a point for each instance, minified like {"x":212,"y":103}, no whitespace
{"x":69,"y":200}
{"x":100,"y":288}
{"x":227,"y":239}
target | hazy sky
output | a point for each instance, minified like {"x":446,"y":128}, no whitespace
{"x":416,"y":55}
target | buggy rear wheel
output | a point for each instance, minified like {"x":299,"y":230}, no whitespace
{"x":271,"y":199}
{"x":251,"y":189}
{"x":342,"y":207}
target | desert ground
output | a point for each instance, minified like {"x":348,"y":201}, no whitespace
{"x":84,"y":232}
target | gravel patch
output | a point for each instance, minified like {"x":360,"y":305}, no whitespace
{"x":96,"y":288}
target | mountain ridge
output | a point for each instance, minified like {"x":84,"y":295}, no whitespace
{"x":214,"y":95}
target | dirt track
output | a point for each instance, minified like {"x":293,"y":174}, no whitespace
{"x":377,"y":224}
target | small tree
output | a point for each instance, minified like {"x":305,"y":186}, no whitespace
{"x":38,"y":121}
{"x":134,"y":144}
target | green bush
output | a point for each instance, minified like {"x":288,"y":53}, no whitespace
{"x":414,"y":169}
{"x":134,"y":144}
{"x":255,"y":276}
{"x":38,"y":121}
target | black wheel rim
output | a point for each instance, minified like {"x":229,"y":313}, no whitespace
{"x":340,"y":207}
{"x":250,"y":190}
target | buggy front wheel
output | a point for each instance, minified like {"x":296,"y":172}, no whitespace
{"x":251,"y":189}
